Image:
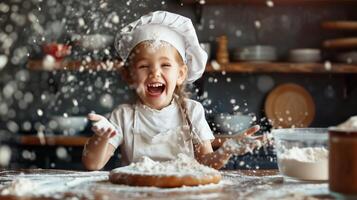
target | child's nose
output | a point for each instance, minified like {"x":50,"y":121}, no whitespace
{"x":155,"y":72}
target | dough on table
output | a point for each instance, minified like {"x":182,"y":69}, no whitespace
{"x":184,"y":171}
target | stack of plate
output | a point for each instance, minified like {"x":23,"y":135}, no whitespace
{"x":255,"y":53}
{"x":305,"y":55}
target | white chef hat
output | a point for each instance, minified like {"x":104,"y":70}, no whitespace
{"x":171,"y":28}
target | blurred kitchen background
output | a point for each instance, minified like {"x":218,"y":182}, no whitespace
{"x":57,"y":64}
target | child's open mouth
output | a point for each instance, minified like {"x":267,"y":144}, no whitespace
{"x":155,"y":89}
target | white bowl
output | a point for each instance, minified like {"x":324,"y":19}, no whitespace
{"x":302,"y":153}
{"x":305,"y":55}
{"x":257,"y":53}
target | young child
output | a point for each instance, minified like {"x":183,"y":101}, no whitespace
{"x":162,"y":54}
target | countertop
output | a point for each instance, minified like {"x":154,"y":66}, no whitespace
{"x":235,"y":184}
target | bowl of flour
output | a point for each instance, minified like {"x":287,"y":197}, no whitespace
{"x":302,"y":153}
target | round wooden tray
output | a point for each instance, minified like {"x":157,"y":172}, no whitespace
{"x":289,"y":105}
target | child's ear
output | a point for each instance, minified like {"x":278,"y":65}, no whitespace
{"x":125,"y":73}
{"x":182,"y":74}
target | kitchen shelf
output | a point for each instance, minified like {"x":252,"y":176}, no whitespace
{"x":62,"y":140}
{"x":276,"y":2}
{"x":340,"y":25}
{"x":74,"y":65}
{"x":238,"y":67}
{"x":272,"y":67}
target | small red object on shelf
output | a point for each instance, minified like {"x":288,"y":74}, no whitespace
{"x":58,"y":51}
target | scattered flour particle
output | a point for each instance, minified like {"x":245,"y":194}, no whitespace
{"x":3,"y":61}
{"x":327,"y":65}
{"x":61,"y":153}
{"x":81,"y":22}
{"x":215,"y":65}
{"x":39,"y":112}
{"x":115,"y":19}
{"x":270,"y":3}
{"x":49,"y":62}
{"x":257,"y":24}
{"x":5,"y":155}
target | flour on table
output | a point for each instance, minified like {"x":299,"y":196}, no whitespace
{"x":309,"y":163}
{"x":182,"y":166}
{"x":19,"y":187}
{"x":43,"y":184}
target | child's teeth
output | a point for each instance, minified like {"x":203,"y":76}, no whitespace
{"x":155,"y":85}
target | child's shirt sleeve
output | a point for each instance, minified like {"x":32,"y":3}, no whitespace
{"x":116,"y":118}
{"x":198,"y":119}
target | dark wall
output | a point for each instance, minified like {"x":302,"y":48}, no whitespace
{"x":285,"y":27}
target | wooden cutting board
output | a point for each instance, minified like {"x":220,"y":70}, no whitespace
{"x":290,"y":105}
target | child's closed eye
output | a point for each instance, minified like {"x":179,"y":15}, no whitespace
{"x":166,"y":65}
{"x":143,"y":66}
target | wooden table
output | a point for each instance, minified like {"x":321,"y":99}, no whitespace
{"x":237,"y":184}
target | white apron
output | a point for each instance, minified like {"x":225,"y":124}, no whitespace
{"x":164,"y":145}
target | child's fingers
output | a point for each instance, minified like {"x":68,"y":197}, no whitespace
{"x":248,"y":132}
{"x":97,"y":131}
{"x":108,"y":132}
{"x":252,"y":130}
{"x":113,"y":134}
{"x":94,"y":117}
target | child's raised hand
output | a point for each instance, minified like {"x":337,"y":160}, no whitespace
{"x":245,"y":142}
{"x":101,"y":126}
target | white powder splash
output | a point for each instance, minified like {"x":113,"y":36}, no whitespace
{"x":246,"y":145}
{"x":309,"y":163}
{"x":155,"y":45}
{"x":182,"y":166}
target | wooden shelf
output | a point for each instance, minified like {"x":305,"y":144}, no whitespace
{"x":238,"y":67}
{"x":59,"y":140}
{"x":251,"y":67}
{"x":340,"y":25}
{"x":276,"y":2}
{"x":74,"y":65}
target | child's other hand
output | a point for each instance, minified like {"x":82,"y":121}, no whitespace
{"x":245,"y":142}
{"x":101,"y":126}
